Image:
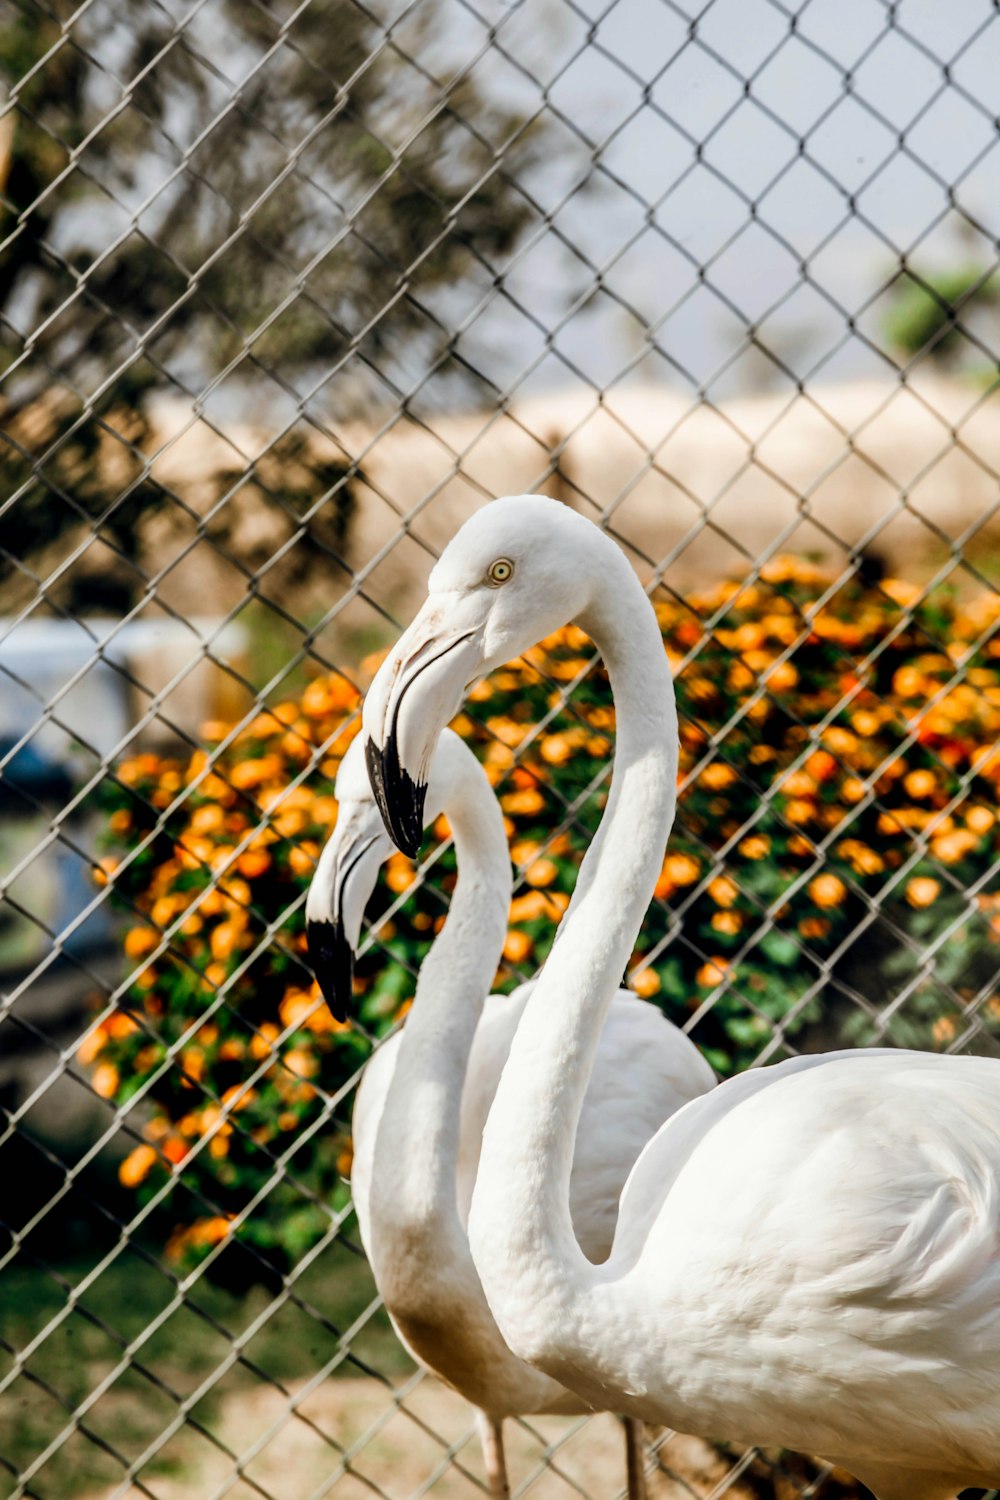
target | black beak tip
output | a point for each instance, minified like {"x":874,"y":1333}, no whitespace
{"x":332,"y":958}
{"x":400,"y":799}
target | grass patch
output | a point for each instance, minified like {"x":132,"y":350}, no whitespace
{"x":179,"y":1371}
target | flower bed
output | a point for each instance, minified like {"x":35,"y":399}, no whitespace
{"x":839,"y":778}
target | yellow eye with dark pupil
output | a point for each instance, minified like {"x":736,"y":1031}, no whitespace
{"x":499,"y":571}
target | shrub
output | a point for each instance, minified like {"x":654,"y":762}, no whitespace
{"x":838,"y":784}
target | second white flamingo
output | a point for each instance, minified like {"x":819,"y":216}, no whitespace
{"x":425,"y":1096}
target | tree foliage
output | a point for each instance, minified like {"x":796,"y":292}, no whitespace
{"x":264,"y":194}
{"x":941,"y":316}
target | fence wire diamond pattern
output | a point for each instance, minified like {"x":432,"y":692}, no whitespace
{"x":288,"y":289}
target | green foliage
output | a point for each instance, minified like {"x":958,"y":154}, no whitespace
{"x":927,"y":316}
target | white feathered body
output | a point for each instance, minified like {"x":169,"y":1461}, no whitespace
{"x":646,"y":1069}
{"x":814,"y":1251}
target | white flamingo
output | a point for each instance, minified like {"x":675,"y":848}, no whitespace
{"x":417,"y":1129}
{"x":809,"y":1256}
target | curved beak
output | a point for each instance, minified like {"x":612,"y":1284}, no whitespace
{"x":400,"y":799}
{"x":417,"y":689}
{"x":332,"y":958}
{"x":345,"y":877}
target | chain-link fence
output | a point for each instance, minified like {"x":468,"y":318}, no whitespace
{"x":288,"y":290}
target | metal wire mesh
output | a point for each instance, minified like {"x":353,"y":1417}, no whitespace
{"x":289,"y":289}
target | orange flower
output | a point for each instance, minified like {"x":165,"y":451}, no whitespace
{"x":442,"y":828}
{"x":193,"y":1063}
{"x":253,"y":863}
{"x":922,"y":890}
{"x":814,"y":927}
{"x":247,"y":774}
{"x":121,"y":1024}
{"x":239,"y":1096}
{"x":92,"y":1044}
{"x":863,"y":860}
{"x":263,"y":1040}
{"x":213,"y":729}
{"x":139,"y":941}
{"x":302,"y":1063}
{"x":865,"y":723}
{"x":525,"y":803}
{"x":723,"y":890}
{"x":909,"y":682}
{"x":755,"y":846}
{"x":556,"y":749}
{"x":211,"y":1231}
{"x":317,"y":700}
{"x":289,"y":822}
{"x":226,"y":938}
{"x":821,"y":765}
{"x":980,"y":819}
{"x":729,"y":922}
{"x":717,"y":776}
{"x":681,"y":869}
{"x":399,"y":874}
{"x":712,"y":972}
{"x":137,"y":1166}
{"x":943,"y":1030}
{"x":827,"y":890}
{"x":541,"y":872}
{"x":841,"y":741}
{"x":920,"y":784}
{"x":900,"y":591}
{"x":301,"y":1008}
{"x":105,"y":1080}
{"x":517,"y":946}
{"x":529,"y":907}
{"x":324,"y":811}
{"x":207,"y":819}
{"x":104,"y":869}
{"x":949,"y":848}
{"x":646,"y":983}
{"x":783,"y":678}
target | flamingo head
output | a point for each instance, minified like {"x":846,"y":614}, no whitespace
{"x":516,"y":571}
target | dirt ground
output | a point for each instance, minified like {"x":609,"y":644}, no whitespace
{"x":354,"y":1440}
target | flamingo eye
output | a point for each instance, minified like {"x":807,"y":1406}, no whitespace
{"x":499,"y":572}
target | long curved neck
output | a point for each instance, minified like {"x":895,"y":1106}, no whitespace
{"x":414,"y":1171}
{"x":520,"y":1212}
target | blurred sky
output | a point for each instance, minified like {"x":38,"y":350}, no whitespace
{"x":688,"y":147}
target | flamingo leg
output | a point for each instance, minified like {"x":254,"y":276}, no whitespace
{"x":635,"y":1457}
{"x":491,"y":1438}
